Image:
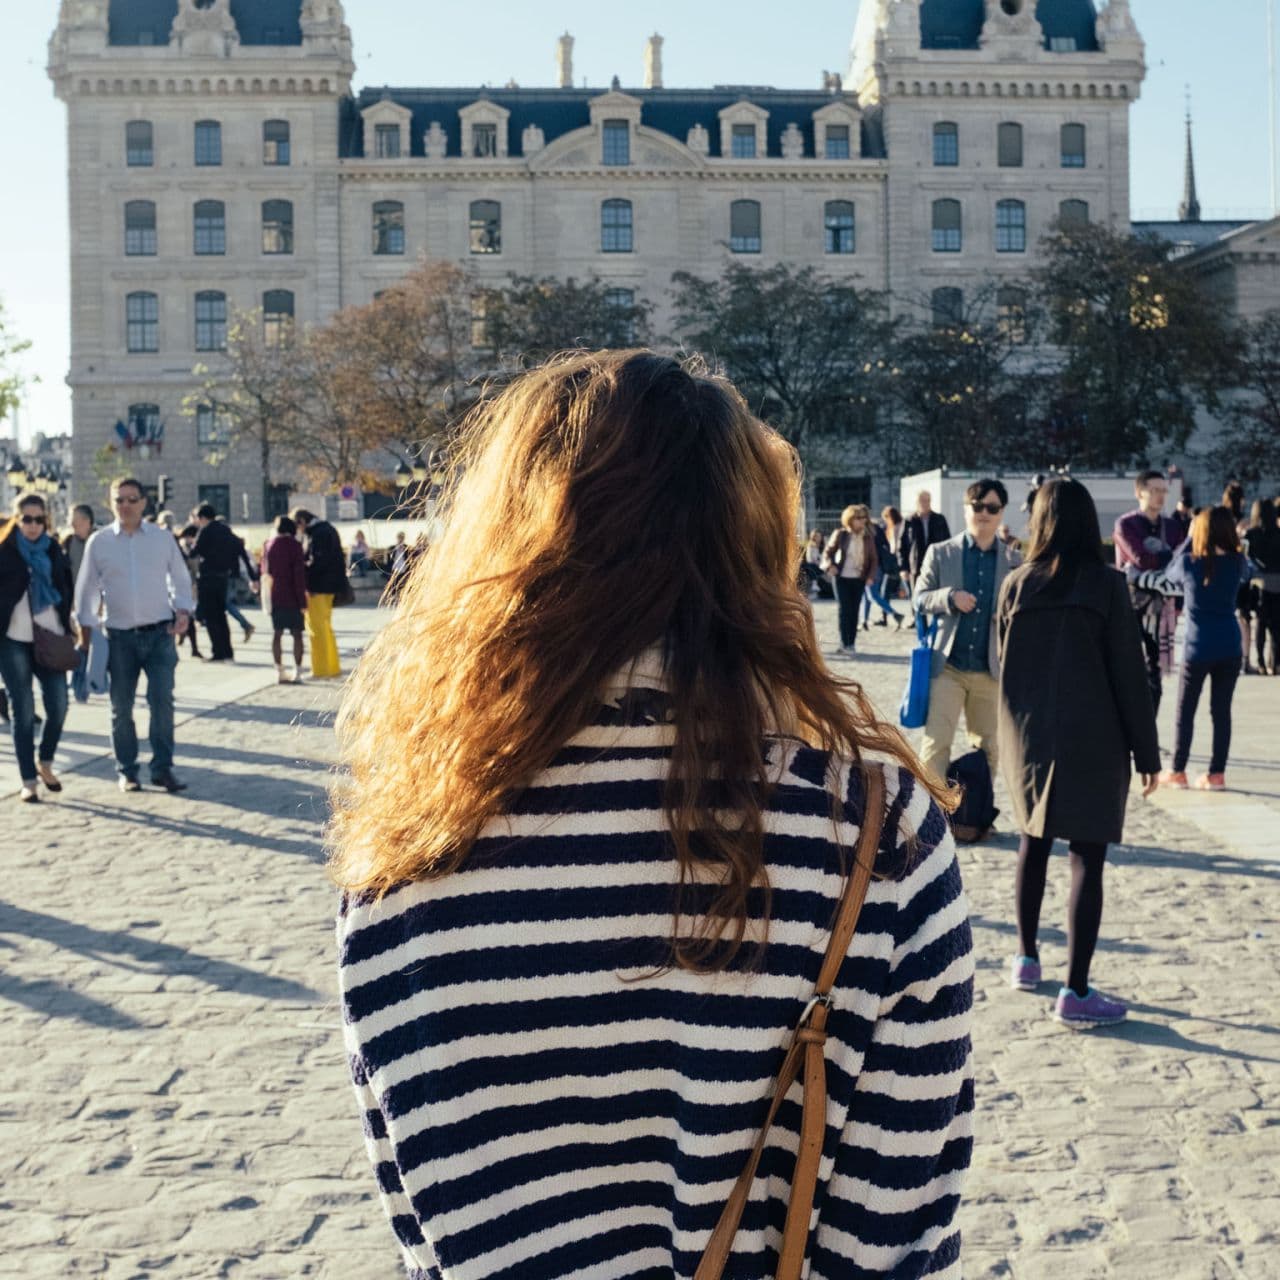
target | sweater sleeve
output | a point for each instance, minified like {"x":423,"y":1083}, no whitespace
{"x":1129,"y":686}
{"x":895,"y":1187}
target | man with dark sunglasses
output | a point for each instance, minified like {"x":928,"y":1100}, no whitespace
{"x":136,"y":570}
{"x":958,"y":585}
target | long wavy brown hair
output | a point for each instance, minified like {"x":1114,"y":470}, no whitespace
{"x":603,"y":504}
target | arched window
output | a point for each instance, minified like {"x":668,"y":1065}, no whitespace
{"x":948,"y":227}
{"x":616,"y":227}
{"x":1011,"y":313}
{"x":1073,"y":213}
{"x":388,"y":227}
{"x":946,"y":144}
{"x":211,"y":321}
{"x":1011,"y":227}
{"x":1073,"y":146}
{"x":485,"y":226}
{"x":208,"y":142}
{"x":838,"y":226}
{"x":142,"y":322}
{"x":209,"y":227}
{"x":139,"y":148}
{"x":277,"y":226}
{"x":275,"y":142}
{"x":948,"y":308}
{"x":1009,"y":146}
{"x":140,"y":228}
{"x":744,"y":226}
{"x":277,"y":317}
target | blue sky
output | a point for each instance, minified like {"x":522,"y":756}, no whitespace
{"x":710,"y":42}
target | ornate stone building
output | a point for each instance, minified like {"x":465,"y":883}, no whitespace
{"x":220,"y":159}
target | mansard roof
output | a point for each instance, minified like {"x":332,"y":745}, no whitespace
{"x":957,"y":24}
{"x":273,"y":22}
{"x":560,"y":111}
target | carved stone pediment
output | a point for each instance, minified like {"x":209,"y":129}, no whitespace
{"x":1012,"y":28}
{"x":205,"y":28}
{"x":652,"y":150}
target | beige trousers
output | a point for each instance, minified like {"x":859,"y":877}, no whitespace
{"x":976,"y":694}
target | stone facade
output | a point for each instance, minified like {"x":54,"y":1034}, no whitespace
{"x":631,"y":185}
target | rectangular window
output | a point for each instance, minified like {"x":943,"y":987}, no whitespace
{"x":1011,"y":227}
{"x":946,"y":145}
{"x":277,"y":317}
{"x":140,"y":229}
{"x":211,"y":321}
{"x":1073,"y":146}
{"x":277,"y":226}
{"x":948,"y":226}
{"x":948,"y":308}
{"x":617,"y":142}
{"x":138,"y":146}
{"x":485,"y":229}
{"x":624,"y":300}
{"x":386,"y":141}
{"x":275,"y":142}
{"x":480,"y":338}
{"x":616,"y":227}
{"x":218,"y":496}
{"x":838,"y":142}
{"x":1010,"y":146}
{"x":210,"y":229}
{"x":208,"y":142}
{"x":142,"y":321}
{"x":1011,"y":315}
{"x":212,"y":427}
{"x":484,"y":140}
{"x":838,"y":226}
{"x":388,"y":227}
{"x":743,"y":142}
{"x":744,"y":226}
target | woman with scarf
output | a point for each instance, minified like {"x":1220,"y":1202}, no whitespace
{"x":35,"y":592}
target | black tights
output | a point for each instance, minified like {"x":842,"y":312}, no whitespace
{"x":1084,"y":915}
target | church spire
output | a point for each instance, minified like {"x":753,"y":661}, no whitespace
{"x":1189,"y":209}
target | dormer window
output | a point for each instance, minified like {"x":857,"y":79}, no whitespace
{"x":386,"y":139}
{"x":744,"y":142}
{"x":616,"y":146}
{"x":742,"y":131}
{"x":484,"y":140}
{"x":485,"y":129}
{"x":837,"y":147}
{"x":837,"y":130}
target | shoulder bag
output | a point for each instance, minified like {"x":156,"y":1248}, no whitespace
{"x":53,"y":652}
{"x":807,"y":1044}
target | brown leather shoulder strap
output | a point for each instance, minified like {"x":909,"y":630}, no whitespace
{"x":808,"y":1042}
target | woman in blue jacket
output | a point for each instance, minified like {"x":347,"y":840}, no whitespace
{"x":1209,"y":568}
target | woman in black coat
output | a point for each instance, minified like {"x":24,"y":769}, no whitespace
{"x":35,"y":591}
{"x":1074,"y":710}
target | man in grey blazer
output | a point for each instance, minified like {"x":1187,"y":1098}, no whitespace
{"x":958,"y":584}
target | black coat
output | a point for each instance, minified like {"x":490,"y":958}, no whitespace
{"x":218,"y":550}
{"x":326,"y":565}
{"x":15,"y":579}
{"x":919,"y":535}
{"x":1074,"y":704}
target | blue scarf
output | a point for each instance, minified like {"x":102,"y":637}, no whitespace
{"x":36,"y":554}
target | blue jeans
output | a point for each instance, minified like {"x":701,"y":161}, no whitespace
{"x":18,"y":669}
{"x":131,"y":654}
{"x":1222,"y":677}
{"x":875,"y":595}
{"x":233,"y":605}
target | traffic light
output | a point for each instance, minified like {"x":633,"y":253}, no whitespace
{"x":162,"y":492}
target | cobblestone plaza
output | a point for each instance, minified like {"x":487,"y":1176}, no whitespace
{"x":176,"y":1100}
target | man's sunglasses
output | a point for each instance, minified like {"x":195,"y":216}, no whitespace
{"x":129,"y":502}
{"x":991,"y":508}
{"x":32,"y":520}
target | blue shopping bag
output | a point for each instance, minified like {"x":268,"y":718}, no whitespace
{"x":914,"y":711}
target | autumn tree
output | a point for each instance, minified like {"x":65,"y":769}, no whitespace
{"x":1248,"y":447}
{"x":527,"y":319}
{"x":11,"y":380}
{"x":1138,"y":348}
{"x":810,"y":355}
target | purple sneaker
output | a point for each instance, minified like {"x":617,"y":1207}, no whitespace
{"x":1093,"y":1010}
{"x":1024,"y":973}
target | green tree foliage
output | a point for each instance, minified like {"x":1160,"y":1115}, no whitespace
{"x":1249,"y":446}
{"x":11,"y":381}
{"x":530,"y":318}
{"x":1139,"y":346}
{"x":810,"y":355}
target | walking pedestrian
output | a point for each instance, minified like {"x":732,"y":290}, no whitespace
{"x":1262,"y":546}
{"x":875,"y":593}
{"x":284,"y":594}
{"x":187,"y":542}
{"x":958,"y":584}
{"x":811,"y":564}
{"x":218,"y":551}
{"x":35,"y":594}
{"x":1075,"y":709}
{"x":1209,"y":569}
{"x":360,"y":555}
{"x":1247,"y":597}
{"x":82,"y":524}
{"x":233,"y":590}
{"x":851,"y":559}
{"x":925,"y":527}
{"x":326,"y":578}
{"x":135,"y":571}
{"x":590,"y":866}
{"x":398,"y":566}
{"x":1146,"y":539}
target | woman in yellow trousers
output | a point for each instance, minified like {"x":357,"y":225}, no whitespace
{"x":326,"y":576}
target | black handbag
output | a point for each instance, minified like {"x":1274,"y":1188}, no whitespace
{"x":54,"y":652}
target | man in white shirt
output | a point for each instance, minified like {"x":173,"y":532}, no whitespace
{"x":137,"y":571}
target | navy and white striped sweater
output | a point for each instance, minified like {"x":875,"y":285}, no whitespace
{"x":532,"y":1117}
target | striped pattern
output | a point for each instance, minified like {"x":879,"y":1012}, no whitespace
{"x":531,"y":1116}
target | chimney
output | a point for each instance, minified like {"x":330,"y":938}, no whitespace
{"x":653,"y":62}
{"x":564,"y":60}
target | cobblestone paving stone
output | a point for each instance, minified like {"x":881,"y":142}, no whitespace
{"x":174,"y":1102}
